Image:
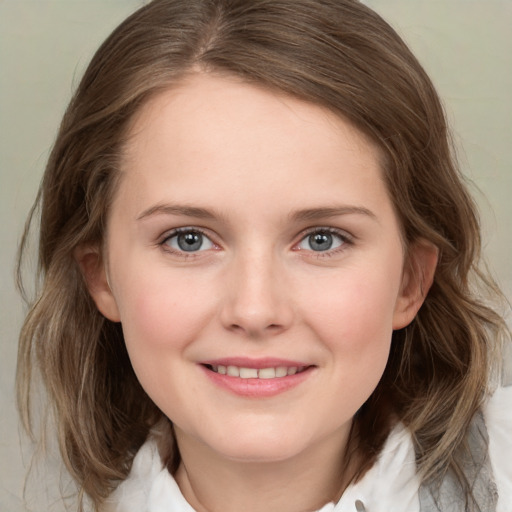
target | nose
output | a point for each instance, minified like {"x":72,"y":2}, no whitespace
{"x":257,"y":302}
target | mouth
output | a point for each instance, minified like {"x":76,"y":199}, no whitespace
{"x":241,"y":372}
{"x":257,"y":378}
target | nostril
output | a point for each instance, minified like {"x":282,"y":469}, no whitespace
{"x":236,"y":327}
{"x":255,"y":330}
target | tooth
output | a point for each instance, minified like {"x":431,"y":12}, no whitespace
{"x":267,"y":373}
{"x":233,"y":371}
{"x":253,"y":373}
{"x":248,"y":373}
{"x":281,"y":371}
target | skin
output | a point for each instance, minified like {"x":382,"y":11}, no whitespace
{"x":264,"y":170}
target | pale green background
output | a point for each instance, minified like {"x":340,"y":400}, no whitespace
{"x":466,"y":46}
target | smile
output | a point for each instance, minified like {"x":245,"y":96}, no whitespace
{"x":256,"y":373}
{"x":257,"y":378}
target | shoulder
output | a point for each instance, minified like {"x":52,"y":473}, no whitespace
{"x":132,"y":494}
{"x":394,"y":479}
{"x":498,"y":418}
{"x":149,"y":487}
{"x":391,"y":484}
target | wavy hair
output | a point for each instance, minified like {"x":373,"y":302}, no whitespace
{"x":335,"y":53}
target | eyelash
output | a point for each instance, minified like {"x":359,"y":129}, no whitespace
{"x":183,"y":231}
{"x":345,"y":238}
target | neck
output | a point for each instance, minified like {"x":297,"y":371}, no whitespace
{"x":303,"y":483}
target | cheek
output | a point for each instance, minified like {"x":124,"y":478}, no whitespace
{"x":354,"y":322}
{"x":161,"y":311}
{"x":161,"y":316}
{"x":354,"y":313}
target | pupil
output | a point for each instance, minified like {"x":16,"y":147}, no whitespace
{"x":190,"y":241}
{"x":320,"y":241}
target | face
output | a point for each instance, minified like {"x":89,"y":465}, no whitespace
{"x":256,"y":264}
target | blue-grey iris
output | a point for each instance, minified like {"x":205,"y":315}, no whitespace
{"x":190,"y":241}
{"x":320,"y":241}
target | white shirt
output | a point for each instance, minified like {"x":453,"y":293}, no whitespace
{"x":390,"y":485}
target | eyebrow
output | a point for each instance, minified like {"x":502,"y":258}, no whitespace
{"x":309,"y":214}
{"x":312,"y":214}
{"x":169,"y":209}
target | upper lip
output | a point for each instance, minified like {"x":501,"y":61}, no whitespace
{"x":257,"y":363}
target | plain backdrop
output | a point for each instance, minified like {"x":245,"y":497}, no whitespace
{"x":465,"y":45}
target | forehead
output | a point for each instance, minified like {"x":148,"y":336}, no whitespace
{"x":207,"y":102}
{"x":212,"y":133}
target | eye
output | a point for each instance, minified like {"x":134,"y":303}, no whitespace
{"x":322,"y":240}
{"x":189,"y":240}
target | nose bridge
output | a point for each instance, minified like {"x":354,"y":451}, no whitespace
{"x":257,"y":301}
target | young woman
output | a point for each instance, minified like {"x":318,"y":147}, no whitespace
{"x":260,"y":282}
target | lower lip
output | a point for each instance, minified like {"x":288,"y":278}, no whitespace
{"x":258,"y":388}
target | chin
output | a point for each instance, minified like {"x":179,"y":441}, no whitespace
{"x":262,"y":447}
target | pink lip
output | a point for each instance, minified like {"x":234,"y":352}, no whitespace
{"x":256,"y":388}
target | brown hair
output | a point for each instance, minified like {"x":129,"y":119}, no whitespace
{"x":336,"y":53}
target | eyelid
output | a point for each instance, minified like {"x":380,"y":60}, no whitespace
{"x":177,"y":231}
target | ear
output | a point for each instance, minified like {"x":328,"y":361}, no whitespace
{"x":417,"y":278}
{"x":91,"y":264}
